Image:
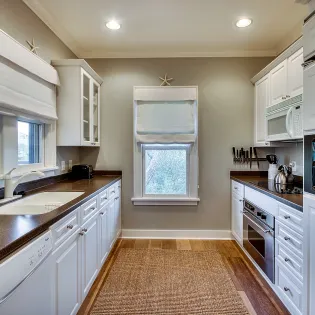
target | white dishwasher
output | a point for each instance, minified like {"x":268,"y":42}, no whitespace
{"x":26,"y":280}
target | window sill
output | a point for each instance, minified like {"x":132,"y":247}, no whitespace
{"x":22,"y":172}
{"x":165,"y":201}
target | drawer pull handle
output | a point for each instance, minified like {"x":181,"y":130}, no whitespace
{"x":287,"y":217}
{"x":235,"y":188}
{"x":118,"y":186}
{"x":101,"y":213}
{"x":286,"y":289}
{"x":104,"y":198}
{"x":70,"y":226}
{"x":116,"y":198}
{"x":83,"y":232}
{"x":93,"y":208}
{"x":240,"y":200}
{"x":286,"y":238}
{"x":287,"y":259}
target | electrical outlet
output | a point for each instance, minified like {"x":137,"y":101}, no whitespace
{"x":63,"y":165}
{"x":70,"y":165}
{"x":293,"y":163}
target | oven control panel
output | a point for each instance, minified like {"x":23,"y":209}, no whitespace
{"x":263,"y":216}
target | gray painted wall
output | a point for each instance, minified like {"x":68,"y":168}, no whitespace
{"x":226,"y":99}
{"x":17,"y":20}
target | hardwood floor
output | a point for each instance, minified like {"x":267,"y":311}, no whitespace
{"x":253,"y":289}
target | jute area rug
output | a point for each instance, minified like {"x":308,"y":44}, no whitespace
{"x":144,"y":281}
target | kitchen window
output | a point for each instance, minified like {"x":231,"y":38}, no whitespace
{"x":166,"y":170}
{"x":165,"y":146}
{"x":30,"y":142}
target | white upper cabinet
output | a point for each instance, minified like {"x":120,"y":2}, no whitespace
{"x":278,"y":83}
{"x":78,"y":104}
{"x":261,"y":102}
{"x":309,"y":98}
{"x":295,"y":74}
{"x":309,"y":38}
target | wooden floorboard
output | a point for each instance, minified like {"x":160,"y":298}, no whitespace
{"x":255,"y":292}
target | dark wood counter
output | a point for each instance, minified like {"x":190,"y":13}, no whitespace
{"x":17,"y":230}
{"x":294,"y":201}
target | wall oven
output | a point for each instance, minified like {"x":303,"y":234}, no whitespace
{"x":259,"y":238}
{"x":284,"y":120}
{"x":309,"y":164}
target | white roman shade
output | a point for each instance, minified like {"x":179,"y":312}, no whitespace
{"x":27,"y":83}
{"x":165,"y":114}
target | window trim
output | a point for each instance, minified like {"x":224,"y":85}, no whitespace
{"x":172,"y":93}
{"x":180,"y":146}
{"x":9,"y":148}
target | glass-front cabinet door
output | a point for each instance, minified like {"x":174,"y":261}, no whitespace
{"x":86,"y":108}
{"x":96,"y":113}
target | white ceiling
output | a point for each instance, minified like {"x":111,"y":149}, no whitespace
{"x":170,"y":28}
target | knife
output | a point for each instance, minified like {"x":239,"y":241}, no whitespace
{"x":247,"y":155}
{"x":237,"y":155}
{"x":242,"y":153}
{"x":250,"y":156}
{"x":234,"y":155}
{"x":255,"y":152}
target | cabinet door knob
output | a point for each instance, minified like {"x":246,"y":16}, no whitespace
{"x":283,"y":97}
{"x":286,"y":289}
{"x":83,"y":232}
{"x":241,"y":200}
{"x":288,"y":96}
{"x":286,"y":238}
{"x":286,"y":259}
{"x":287,"y":217}
{"x":101,"y":213}
{"x":70,"y":226}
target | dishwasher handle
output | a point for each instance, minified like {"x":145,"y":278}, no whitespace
{"x":6,"y":296}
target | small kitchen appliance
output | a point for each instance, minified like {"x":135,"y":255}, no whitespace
{"x":273,"y":166}
{"x":82,"y":171}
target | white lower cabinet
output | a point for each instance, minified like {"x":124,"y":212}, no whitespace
{"x":104,"y":225}
{"x":237,"y":217}
{"x":83,"y":240}
{"x":67,"y":276}
{"x":90,"y":265}
{"x":309,"y":254}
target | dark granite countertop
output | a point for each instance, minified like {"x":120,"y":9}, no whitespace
{"x":294,"y":201}
{"x":17,"y":230}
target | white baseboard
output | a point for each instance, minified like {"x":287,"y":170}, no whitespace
{"x":178,"y":234}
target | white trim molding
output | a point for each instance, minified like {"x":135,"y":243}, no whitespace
{"x":149,"y":201}
{"x":178,"y":234}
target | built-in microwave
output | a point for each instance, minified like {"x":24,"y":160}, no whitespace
{"x":284,"y":120}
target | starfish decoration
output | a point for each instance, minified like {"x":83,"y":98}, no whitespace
{"x":166,"y":81}
{"x":33,"y":47}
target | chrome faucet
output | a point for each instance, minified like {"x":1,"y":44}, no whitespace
{"x":10,"y":184}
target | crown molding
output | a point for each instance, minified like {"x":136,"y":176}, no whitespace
{"x":98,"y":54}
{"x":50,"y":21}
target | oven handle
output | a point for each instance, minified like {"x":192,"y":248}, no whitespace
{"x":264,"y":231}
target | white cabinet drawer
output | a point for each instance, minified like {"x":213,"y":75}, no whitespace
{"x":103,"y":198}
{"x":290,"y":288}
{"x":288,"y":258}
{"x":112,"y":192}
{"x":238,"y":188}
{"x":88,"y":209}
{"x":291,"y":218}
{"x":118,"y":188}
{"x":65,"y":227}
{"x":289,"y":238}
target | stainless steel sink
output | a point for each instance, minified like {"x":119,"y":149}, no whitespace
{"x":39,"y":204}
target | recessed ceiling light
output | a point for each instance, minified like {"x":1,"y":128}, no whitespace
{"x":244,"y":22}
{"x":113,"y":25}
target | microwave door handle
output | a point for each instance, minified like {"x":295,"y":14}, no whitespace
{"x":287,"y":123}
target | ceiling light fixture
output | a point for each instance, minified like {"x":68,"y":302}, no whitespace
{"x":244,"y":22}
{"x":113,"y":25}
